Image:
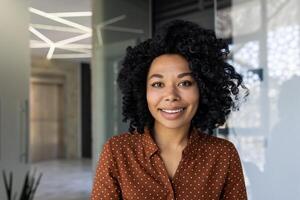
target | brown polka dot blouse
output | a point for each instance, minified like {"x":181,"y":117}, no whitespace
{"x":130,"y":167}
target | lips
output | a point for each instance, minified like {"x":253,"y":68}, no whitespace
{"x":171,"y":114}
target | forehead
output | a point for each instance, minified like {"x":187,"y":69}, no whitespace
{"x":169,"y":63}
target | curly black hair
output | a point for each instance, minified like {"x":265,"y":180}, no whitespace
{"x":218,"y":82}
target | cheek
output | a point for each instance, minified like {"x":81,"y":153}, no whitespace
{"x":152,"y":98}
{"x":193,"y":97}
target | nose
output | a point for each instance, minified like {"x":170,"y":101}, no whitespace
{"x":172,"y":94}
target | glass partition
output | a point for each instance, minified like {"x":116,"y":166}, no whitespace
{"x":265,"y":45}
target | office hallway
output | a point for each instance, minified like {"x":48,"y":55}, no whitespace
{"x":64,"y":179}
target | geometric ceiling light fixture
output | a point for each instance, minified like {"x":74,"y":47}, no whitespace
{"x":45,"y":39}
{"x":56,"y":28}
{"x":72,"y":14}
{"x":75,"y":50}
{"x":59,"y":19}
{"x":81,"y":50}
{"x":106,"y":25}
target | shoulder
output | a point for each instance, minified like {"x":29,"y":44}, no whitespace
{"x":216,"y":145}
{"x":217,"y":142}
{"x":124,"y":138}
{"x":123,"y":142}
{"x":220,"y":152}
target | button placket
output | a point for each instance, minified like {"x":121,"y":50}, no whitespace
{"x":164,"y":174}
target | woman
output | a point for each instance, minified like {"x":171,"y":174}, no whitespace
{"x":176,"y":89}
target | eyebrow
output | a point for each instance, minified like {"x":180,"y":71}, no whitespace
{"x":178,"y":76}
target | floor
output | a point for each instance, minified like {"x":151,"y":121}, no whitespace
{"x":64,"y":180}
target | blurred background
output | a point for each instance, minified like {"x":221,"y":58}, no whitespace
{"x":59,"y":101}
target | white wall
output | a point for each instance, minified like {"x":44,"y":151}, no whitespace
{"x":14,"y":89}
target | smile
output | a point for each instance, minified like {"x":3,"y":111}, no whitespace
{"x":172,"y":111}
{"x":172,"y":114}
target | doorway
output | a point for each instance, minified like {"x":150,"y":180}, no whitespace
{"x":46,"y":118}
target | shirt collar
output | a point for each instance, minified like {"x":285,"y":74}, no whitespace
{"x":151,"y":147}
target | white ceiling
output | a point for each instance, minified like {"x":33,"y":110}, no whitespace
{"x":44,"y":37}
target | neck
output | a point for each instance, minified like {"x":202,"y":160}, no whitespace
{"x":169,"y":138}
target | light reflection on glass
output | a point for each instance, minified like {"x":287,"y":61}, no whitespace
{"x":266,"y":129}
{"x":284,"y":53}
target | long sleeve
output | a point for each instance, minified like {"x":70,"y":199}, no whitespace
{"x":234,"y":188}
{"x":105,"y":185}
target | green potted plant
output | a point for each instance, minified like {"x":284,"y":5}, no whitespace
{"x":29,"y":188}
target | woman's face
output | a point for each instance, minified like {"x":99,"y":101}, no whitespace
{"x":172,"y":93}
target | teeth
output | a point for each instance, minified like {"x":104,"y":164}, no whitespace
{"x":172,"y":111}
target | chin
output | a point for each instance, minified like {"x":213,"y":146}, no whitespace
{"x":173,"y":124}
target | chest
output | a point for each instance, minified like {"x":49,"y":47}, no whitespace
{"x":171,"y":161}
{"x":150,"y":178}
{"x":142,"y":177}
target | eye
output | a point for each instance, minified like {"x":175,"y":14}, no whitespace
{"x":157,"y":84}
{"x":185,"y":83}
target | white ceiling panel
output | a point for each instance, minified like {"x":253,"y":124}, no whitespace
{"x":57,"y":29}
